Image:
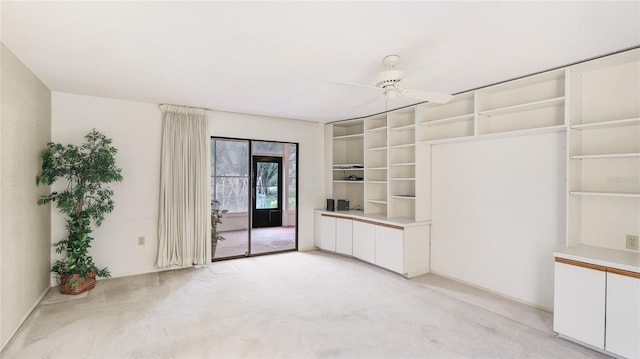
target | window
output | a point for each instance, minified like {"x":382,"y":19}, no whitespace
{"x":230,"y":174}
{"x":267,"y":148}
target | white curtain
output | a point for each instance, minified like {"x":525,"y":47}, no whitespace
{"x":184,"y":222}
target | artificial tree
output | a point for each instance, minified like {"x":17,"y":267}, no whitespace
{"x":216,"y":219}
{"x":86,"y":170}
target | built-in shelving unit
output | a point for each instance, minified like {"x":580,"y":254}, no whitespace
{"x":348,"y":162}
{"x":528,"y":103}
{"x":603,"y":144}
{"x":402,"y":147}
{"x":376,"y":143}
{"x":452,"y":120}
{"x":595,"y":102}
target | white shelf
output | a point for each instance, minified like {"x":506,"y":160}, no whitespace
{"x":377,"y":168}
{"x":377,"y":182}
{"x":448,"y":120}
{"x":403,"y":146}
{"x":379,"y":201}
{"x":404,"y":164}
{"x":343,"y":181}
{"x":606,"y":194}
{"x":523,"y":107}
{"x":487,"y":136}
{"x":614,"y":155}
{"x":403,"y":128}
{"x":348,"y":137}
{"x":349,"y":165}
{"x":348,"y":169}
{"x":606,"y":124}
{"x":378,"y":129}
{"x":377,"y":148}
{"x":403,"y":179}
{"x":404,"y":197}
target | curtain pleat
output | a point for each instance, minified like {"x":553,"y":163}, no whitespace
{"x":184,"y":218}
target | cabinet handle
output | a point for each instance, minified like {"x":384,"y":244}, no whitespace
{"x":581,"y":264}
{"x":624,"y":272}
{"x":378,"y":223}
{"x":334,"y":216}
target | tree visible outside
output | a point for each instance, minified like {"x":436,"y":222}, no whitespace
{"x":230,"y":172}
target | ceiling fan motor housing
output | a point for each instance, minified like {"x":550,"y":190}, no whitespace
{"x":388,"y":77}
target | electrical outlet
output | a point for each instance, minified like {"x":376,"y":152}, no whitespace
{"x":632,"y":242}
{"x":141,"y":241}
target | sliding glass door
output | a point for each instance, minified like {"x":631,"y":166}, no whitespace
{"x":254,"y":190}
{"x":230,"y":192}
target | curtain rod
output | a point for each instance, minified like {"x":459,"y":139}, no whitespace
{"x":199,"y":108}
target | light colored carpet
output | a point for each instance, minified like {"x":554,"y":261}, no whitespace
{"x":290,"y":305}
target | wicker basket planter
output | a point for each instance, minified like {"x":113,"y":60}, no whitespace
{"x":82,"y":284}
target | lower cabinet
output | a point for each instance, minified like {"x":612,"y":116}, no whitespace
{"x":403,"y":250}
{"x":579,"y":301}
{"x":623,"y":314}
{"x":364,"y":241}
{"x":390,"y":249}
{"x":598,"y":306}
{"x":328,"y":233}
{"x":344,"y":236}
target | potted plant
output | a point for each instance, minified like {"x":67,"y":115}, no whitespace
{"x":216,"y":219}
{"x":86,"y":170}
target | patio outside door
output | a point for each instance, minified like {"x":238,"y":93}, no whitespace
{"x":267,"y":192}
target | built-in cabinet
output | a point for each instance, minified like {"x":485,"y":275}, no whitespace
{"x":597,"y":104}
{"x":596,"y":302}
{"x":603,"y":207}
{"x":401,"y":247}
{"x":622,"y":331}
{"x":579,"y":306}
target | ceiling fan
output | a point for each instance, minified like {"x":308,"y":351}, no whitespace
{"x":393,"y":82}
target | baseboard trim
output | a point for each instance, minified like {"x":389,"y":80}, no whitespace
{"x":494,"y":292}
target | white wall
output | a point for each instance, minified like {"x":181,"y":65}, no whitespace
{"x":25,"y":130}
{"x":498,"y":213}
{"x":136,"y":131}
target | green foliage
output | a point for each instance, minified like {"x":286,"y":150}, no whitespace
{"x":216,"y":219}
{"x":86,"y":170}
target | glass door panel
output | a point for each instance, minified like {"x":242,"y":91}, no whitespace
{"x":267,"y":192}
{"x":230,"y":194}
{"x":274,"y":216}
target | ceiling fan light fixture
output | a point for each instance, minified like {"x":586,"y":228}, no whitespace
{"x":391,"y":93}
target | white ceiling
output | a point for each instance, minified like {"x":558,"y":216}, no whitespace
{"x":272,"y":58}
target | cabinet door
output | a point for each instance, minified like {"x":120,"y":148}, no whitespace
{"x":579,"y":303}
{"x":390,"y":248}
{"x":344,"y":236}
{"x":328,"y":233}
{"x":623,"y":315}
{"x":364,"y":241}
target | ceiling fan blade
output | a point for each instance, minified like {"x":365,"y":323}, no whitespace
{"x":426,"y":96}
{"x":353,"y":84}
{"x":428,"y":72}
{"x":371,"y":100}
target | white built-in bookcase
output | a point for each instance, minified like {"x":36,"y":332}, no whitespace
{"x":604,"y":151}
{"x":348,"y":160}
{"x":596,"y":102}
